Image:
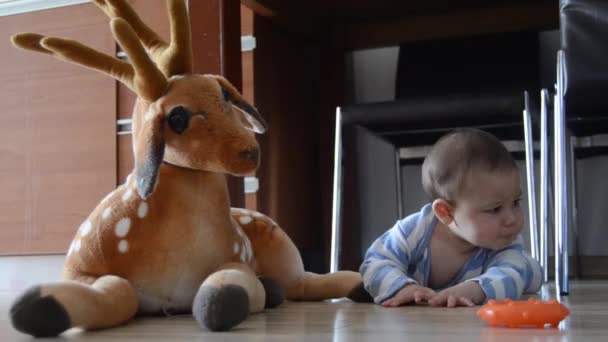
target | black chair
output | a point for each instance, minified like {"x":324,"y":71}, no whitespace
{"x":580,"y":110}
{"x":441,"y":85}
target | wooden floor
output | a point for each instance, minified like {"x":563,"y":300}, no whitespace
{"x":347,"y":321}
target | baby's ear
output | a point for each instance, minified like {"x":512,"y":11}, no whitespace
{"x":149,"y":147}
{"x":443,"y":210}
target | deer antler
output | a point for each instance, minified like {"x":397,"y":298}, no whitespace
{"x":141,"y":76}
{"x":172,"y":59}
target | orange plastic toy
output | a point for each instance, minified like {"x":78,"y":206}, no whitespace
{"x":519,"y":314}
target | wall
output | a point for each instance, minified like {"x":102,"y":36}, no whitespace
{"x":286,"y":94}
{"x":57,"y":132}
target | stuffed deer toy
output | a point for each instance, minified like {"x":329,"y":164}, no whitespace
{"x":167,"y":241}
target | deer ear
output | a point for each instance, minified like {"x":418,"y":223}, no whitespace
{"x":149,"y":148}
{"x":254,"y":121}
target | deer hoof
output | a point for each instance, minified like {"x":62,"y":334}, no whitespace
{"x":220,"y":309}
{"x":274,"y":292}
{"x":39,"y":316}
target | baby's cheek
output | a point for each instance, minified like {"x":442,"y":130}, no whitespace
{"x":484,"y":234}
{"x":520,"y":220}
{"x":483,"y":237}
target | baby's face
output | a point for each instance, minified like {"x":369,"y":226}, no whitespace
{"x":487,"y":213}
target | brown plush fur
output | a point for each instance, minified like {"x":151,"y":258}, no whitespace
{"x":169,"y":233}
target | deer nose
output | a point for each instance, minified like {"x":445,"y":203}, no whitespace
{"x":250,"y":154}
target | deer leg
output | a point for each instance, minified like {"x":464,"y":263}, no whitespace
{"x":278,"y":258}
{"x":52,"y":308}
{"x":227,"y":296}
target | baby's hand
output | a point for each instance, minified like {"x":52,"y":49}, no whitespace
{"x":464,"y":294}
{"x":408,"y":294}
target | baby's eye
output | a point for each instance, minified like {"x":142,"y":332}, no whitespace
{"x":494,"y":210}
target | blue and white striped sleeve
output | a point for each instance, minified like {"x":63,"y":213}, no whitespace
{"x":509,"y":273}
{"x":384,"y":269}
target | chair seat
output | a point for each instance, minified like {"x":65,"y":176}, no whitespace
{"x":427,"y":112}
{"x":420,"y":121}
{"x":584,"y":28}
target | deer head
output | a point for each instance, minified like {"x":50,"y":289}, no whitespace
{"x":190,"y":120}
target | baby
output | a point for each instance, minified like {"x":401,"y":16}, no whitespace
{"x":465,"y":247}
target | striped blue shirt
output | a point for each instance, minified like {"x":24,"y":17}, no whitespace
{"x":401,"y":257}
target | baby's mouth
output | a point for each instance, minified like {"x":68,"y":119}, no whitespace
{"x":510,"y":237}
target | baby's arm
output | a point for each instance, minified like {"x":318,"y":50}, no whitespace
{"x":510,"y":273}
{"x":384,"y":268}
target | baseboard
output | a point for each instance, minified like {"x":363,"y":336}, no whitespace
{"x":587,"y":267}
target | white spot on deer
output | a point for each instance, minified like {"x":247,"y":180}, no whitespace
{"x":245,"y":219}
{"x":243,"y":257}
{"x":123,"y":246}
{"x":122,"y":227}
{"x":142,"y":211}
{"x":85,"y":228}
{"x":129,"y":178}
{"x":256,"y":214}
{"x":77,"y":245}
{"x":248,"y":251}
{"x":235,"y":248}
{"x":106,"y":212}
{"x":133,"y":129}
{"x":71,"y":248}
{"x":127,"y":195}
{"x":149,"y":115}
{"x":176,"y":77}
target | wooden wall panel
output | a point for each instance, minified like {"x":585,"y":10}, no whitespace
{"x":287,"y":82}
{"x":248,"y":81}
{"x":124,"y":157}
{"x":57,"y":128}
{"x":532,"y":15}
{"x":332,"y":95}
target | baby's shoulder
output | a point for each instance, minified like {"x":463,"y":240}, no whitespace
{"x":417,"y":224}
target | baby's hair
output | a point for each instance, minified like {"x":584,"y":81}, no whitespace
{"x":456,"y":154}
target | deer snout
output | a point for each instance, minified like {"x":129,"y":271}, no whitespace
{"x":251,"y":154}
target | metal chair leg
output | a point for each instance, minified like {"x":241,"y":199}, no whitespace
{"x":573,"y":206}
{"x":561,"y":186}
{"x":544,"y":189}
{"x":336,"y":213}
{"x":529,"y":141}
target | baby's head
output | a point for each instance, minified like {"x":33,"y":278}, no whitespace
{"x":475,"y":187}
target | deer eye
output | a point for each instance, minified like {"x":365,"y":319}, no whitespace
{"x":226,"y":94}
{"x":178,"y":119}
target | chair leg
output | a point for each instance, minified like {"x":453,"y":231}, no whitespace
{"x":529,"y":141}
{"x":336,"y":214}
{"x":544,"y":189}
{"x":573,"y":206}
{"x":561,"y":187}
{"x":398,"y":182}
